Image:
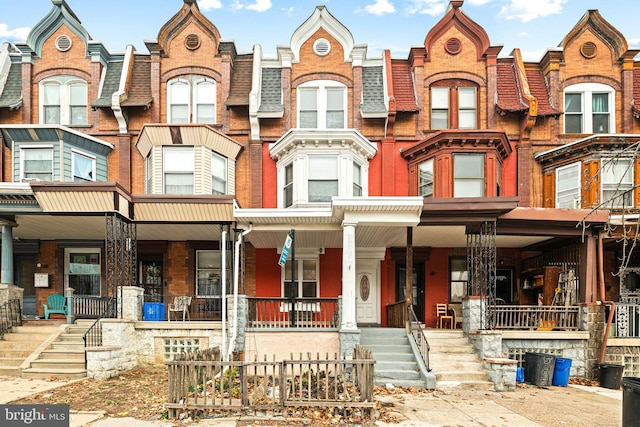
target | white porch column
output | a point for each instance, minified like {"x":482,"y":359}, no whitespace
{"x":349,"y":275}
{"x":7,"y":255}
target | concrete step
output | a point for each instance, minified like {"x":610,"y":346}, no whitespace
{"x":30,"y":328}
{"x":457,"y":341}
{"x":465,"y":385}
{"x":65,"y":354}
{"x":26,"y":337}
{"x":15,"y":352}
{"x":19,"y":345}
{"x":10,"y":371}
{"x":383,"y":348}
{"x":43,"y":374}
{"x":454,"y":357}
{"x":451,"y":349}
{"x":398,"y":357}
{"x":71,"y":337}
{"x":460,"y":375}
{"x":396,"y":365}
{"x":399,"y":383}
{"x":391,"y":375}
{"x":11,"y":361}
{"x":384,"y":341}
{"x":65,"y":345}
{"x":57,"y":364}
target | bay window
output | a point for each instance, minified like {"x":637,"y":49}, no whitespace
{"x":218,"y":174}
{"x":425,"y":180}
{"x":617,"y":183}
{"x":468,"y":175}
{"x":178,"y":168}
{"x":36,"y":164}
{"x":83,"y":167}
{"x":323,"y":178}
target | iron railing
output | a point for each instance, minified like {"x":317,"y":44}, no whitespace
{"x":419,"y":337}
{"x":536,"y":317}
{"x":316,"y":313}
{"x":93,"y":336}
{"x":627,"y":320}
{"x":10,"y":316}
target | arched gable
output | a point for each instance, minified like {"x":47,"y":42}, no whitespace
{"x":321,"y":18}
{"x":593,"y":22}
{"x":188,"y":14}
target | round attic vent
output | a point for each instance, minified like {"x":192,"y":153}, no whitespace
{"x":192,"y":41}
{"x":63,"y":43}
{"x":453,"y":46}
{"x":321,"y":47}
{"x":588,"y":50}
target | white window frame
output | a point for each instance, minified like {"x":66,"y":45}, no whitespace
{"x":319,"y":171}
{"x":322,"y":89}
{"x":67,"y":266}
{"x":65,"y":85}
{"x":218,"y":176}
{"x":458,"y":280}
{"x":357,"y":180}
{"x":23,"y":150}
{"x":438,"y":106}
{"x":587,"y":90}
{"x":74,"y":155}
{"x":188,"y":169}
{"x":457,"y":179}
{"x":574,"y":191}
{"x":193,"y":103}
{"x":286,"y":272}
{"x":210,"y":275}
{"x":623,"y":185}
{"x":442,"y":110}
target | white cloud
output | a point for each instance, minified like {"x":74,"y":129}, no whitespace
{"x":209,"y":4}
{"x":477,"y":2}
{"x":380,"y":7}
{"x":426,"y":7}
{"x":288,"y":11}
{"x":257,"y":5}
{"x":17,"y":35}
{"x":633,"y":42}
{"x":527,"y":10}
{"x":532,"y":55}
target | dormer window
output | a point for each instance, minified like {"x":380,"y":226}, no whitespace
{"x":322,"y":104}
{"x":588,"y":108}
{"x":191,"y":99}
{"x":63,"y":100}
{"x":454,"y":105}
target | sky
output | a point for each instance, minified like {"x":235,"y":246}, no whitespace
{"x":531,"y":25}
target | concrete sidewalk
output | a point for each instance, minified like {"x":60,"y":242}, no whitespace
{"x":424,"y":409}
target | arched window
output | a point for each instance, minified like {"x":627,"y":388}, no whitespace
{"x":454,"y":105}
{"x":191,"y":99}
{"x":589,"y":108}
{"x":63,"y":100}
{"x":322,"y":104}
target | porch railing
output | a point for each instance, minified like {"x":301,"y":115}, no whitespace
{"x":207,"y":308}
{"x":89,"y":306}
{"x":418,"y":336}
{"x":397,"y":314}
{"x":534,"y":317}
{"x":10,"y":316}
{"x":627,"y":318}
{"x":317,"y":313}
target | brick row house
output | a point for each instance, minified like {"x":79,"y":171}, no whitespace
{"x":460,"y":173}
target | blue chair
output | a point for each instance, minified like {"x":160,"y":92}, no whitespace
{"x":56,"y":303}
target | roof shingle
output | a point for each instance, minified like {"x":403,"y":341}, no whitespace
{"x":240,"y":81}
{"x":403,"y":86}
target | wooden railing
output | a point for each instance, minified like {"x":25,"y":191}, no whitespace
{"x":203,"y":382}
{"x":419,"y":337}
{"x":534,"y":317}
{"x":317,"y":313}
{"x":10,"y":316}
{"x":88,"y":306}
{"x":397,"y":314}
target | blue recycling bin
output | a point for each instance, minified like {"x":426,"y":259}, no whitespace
{"x":561,"y":372}
{"x":153,"y":311}
{"x":520,"y":375}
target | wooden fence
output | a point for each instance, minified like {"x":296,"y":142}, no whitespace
{"x":534,"y":317}
{"x":397,"y":314}
{"x":201,"y":381}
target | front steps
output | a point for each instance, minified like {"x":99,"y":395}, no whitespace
{"x":395,"y":362}
{"x":21,"y":342}
{"x":64,"y":358}
{"x":454,"y":362}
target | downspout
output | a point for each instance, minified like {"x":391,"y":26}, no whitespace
{"x":223,"y":244}
{"x":611,"y":304}
{"x":236,"y":280}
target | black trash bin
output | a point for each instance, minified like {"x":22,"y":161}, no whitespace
{"x":538,"y":368}
{"x":610,"y":375}
{"x":630,"y":402}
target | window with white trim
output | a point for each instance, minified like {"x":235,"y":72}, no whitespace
{"x":453,"y":105}
{"x":357,"y":180}
{"x":178,"y":170}
{"x":287,"y":193}
{"x":568,"y":186}
{"x":458,"y":279}
{"x":83,"y":167}
{"x":209,"y":274}
{"x":322,"y":104}
{"x":306,"y":283}
{"x":218,"y":174}
{"x":616,"y":179}
{"x":36,"y":164}
{"x":323,"y":178}
{"x":425,"y":180}
{"x":468,"y":175}
{"x":191,"y":99}
{"x":589,"y":108}
{"x":63,"y":100}
{"x":82,"y":267}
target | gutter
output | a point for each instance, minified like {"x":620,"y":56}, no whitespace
{"x":236,"y":269}
{"x":611,"y":304}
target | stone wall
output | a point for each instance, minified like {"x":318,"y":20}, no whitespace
{"x":592,"y":320}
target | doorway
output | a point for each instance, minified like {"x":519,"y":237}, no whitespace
{"x":24,"y":272}
{"x":417,"y":287}
{"x":150,"y":277}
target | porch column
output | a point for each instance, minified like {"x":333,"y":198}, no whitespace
{"x":6,"y":275}
{"x":349,"y":275}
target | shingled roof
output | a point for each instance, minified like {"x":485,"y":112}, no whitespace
{"x":539,"y":89}
{"x":140,"y":89}
{"x":109,"y":85}
{"x":510,"y":97}
{"x":403,"y":89}
{"x":271,"y":93}
{"x":11,"y":96}
{"x":240,"y":81}
{"x":373,"y":91}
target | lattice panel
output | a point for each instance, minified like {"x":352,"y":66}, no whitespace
{"x":518,"y":353}
{"x":175,"y":346}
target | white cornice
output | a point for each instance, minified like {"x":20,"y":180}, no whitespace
{"x":321,"y":18}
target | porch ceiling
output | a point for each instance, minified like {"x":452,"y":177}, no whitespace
{"x":60,"y":227}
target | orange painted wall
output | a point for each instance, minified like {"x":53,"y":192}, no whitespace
{"x":510,"y":173}
{"x":269,"y":179}
{"x":436,"y":273}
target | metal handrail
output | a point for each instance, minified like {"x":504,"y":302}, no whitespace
{"x":10,"y":316}
{"x":93,"y":336}
{"x":420,"y":339}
